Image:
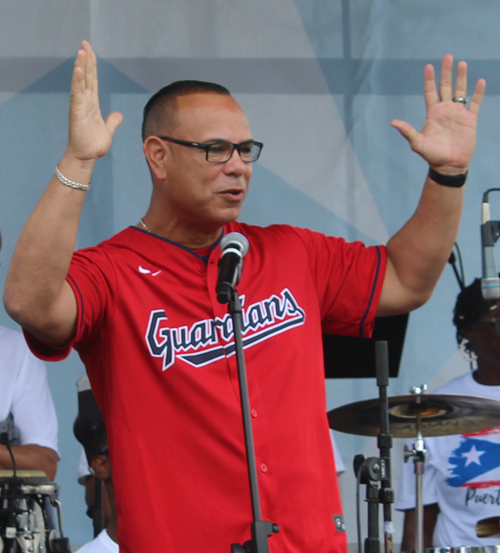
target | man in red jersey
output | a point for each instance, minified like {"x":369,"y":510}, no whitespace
{"x":142,"y":312}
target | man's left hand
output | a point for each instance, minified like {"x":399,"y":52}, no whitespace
{"x":448,"y":138}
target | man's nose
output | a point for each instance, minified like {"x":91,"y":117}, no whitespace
{"x":235,"y":163}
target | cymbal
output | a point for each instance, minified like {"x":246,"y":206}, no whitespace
{"x":488,"y":527}
{"x":441,"y":415}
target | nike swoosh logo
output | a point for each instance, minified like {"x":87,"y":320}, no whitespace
{"x":144,"y":271}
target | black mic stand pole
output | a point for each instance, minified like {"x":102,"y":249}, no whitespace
{"x":377,"y":469}
{"x":384,"y":441}
{"x":261,"y":530}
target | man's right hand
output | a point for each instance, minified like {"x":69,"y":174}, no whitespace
{"x":90,"y":136}
{"x":36,"y":293}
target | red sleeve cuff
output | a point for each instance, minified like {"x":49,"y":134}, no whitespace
{"x":44,"y":351}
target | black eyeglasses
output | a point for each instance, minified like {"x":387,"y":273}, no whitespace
{"x":220,"y":152}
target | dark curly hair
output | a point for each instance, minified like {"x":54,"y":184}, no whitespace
{"x":469,"y":307}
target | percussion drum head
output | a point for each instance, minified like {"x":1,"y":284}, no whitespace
{"x":462,"y":549}
{"x":28,"y":476}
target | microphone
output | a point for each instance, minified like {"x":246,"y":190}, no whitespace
{"x":490,"y":283}
{"x":234,"y":247}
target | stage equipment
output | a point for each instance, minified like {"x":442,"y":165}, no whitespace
{"x":234,"y":246}
{"x":419,"y":415}
{"x":457,"y":267}
{"x":375,"y":470}
{"x":462,"y":549}
{"x":490,"y":231}
{"x":27,"y":499}
{"x":488,"y":527}
{"x":440,"y":415}
{"x":353,"y":357}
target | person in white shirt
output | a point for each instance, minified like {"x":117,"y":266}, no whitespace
{"x":461,"y":483}
{"x":27,"y":413}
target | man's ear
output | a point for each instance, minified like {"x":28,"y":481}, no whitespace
{"x":156,"y":156}
{"x":101,"y":466}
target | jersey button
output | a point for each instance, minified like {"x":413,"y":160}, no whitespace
{"x":263,"y":467}
{"x":202,"y":268}
{"x":254,"y":413}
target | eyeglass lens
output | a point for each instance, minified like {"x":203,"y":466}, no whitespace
{"x":221,"y":152}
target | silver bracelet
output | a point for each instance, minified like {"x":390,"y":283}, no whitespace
{"x":70,"y":183}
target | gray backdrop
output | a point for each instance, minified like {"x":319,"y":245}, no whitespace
{"x":320,"y":81}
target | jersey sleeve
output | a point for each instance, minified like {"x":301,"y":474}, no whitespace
{"x":349,"y":278}
{"x":91,"y":277}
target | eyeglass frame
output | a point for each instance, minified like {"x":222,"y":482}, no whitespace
{"x":206,"y":147}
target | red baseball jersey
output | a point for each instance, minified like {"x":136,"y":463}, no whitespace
{"x":159,"y":353}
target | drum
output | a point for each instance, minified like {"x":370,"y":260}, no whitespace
{"x":462,"y":549}
{"x":27,"y":504}
{"x":432,"y":550}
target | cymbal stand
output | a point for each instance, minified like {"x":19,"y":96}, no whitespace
{"x":261,"y":530}
{"x":418,"y":455}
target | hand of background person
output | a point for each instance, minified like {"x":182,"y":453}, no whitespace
{"x":448,"y":138}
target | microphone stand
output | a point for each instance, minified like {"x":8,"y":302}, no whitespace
{"x":378,"y":469}
{"x":261,"y":530}
{"x":384,"y":441}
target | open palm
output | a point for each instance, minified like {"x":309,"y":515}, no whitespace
{"x":448,"y":138}
{"x":90,"y":136}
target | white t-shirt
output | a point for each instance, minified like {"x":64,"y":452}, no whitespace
{"x":101,"y":544}
{"x":24,"y":392}
{"x":462,"y":475}
{"x":339,"y":463}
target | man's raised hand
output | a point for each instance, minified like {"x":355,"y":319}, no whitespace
{"x":90,"y":136}
{"x":448,"y":138}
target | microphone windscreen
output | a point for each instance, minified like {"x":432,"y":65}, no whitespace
{"x":235,"y":240}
